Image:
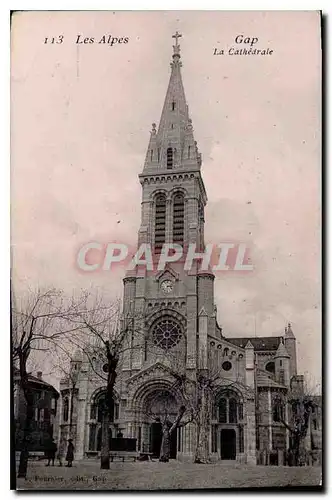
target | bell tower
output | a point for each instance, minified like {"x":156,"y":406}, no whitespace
{"x":173,"y":190}
{"x":173,"y":308}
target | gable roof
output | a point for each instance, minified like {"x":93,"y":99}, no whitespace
{"x":259,"y":343}
{"x":157,"y":366}
{"x":264,"y":379}
{"x":35,"y":381}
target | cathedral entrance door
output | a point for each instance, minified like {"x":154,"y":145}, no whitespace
{"x":228,"y":444}
{"x":155,"y":439}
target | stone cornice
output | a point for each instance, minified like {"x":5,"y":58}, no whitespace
{"x":174,"y":175}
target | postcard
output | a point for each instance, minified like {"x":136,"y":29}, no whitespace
{"x":166,"y":250}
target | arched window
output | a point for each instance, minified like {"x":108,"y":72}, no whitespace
{"x":270,"y":367}
{"x":101,"y":406}
{"x":97,"y":412}
{"x":173,"y":105}
{"x":278,"y":411}
{"x":65,"y":413}
{"x":160,"y":222}
{"x":223,"y":410}
{"x":240,"y":411}
{"x":93,"y":412}
{"x":232,"y":411}
{"x":178,"y":219}
{"x":169,"y":157}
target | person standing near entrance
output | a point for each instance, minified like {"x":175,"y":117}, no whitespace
{"x":52,"y":447}
{"x":70,"y":453}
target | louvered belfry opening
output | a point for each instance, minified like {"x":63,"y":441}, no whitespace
{"x":169,"y":158}
{"x":178,"y":219}
{"x":160,"y":223}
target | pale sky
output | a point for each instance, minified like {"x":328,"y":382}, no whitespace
{"x":81,"y":118}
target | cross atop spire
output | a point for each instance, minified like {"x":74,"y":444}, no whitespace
{"x":172,"y":144}
{"x":176,"y":47}
{"x":176,"y":36}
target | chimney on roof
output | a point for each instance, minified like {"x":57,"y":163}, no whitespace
{"x":39,"y":375}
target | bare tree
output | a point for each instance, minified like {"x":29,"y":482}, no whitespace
{"x":197,"y":392}
{"x":301,"y":403}
{"x":161,"y":410}
{"x":104,"y":335}
{"x":38,"y":325}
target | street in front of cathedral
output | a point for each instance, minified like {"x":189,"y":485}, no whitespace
{"x":194,"y":378}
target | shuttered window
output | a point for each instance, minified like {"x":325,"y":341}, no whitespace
{"x":160,"y":223}
{"x":178,"y":219}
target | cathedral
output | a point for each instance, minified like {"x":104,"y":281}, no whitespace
{"x":172,"y":316}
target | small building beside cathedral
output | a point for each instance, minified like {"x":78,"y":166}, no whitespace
{"x":172,"y":322}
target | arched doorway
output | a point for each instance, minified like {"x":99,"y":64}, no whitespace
{"x":229,"y":414}
{"x":160,"y":406}
{"x":97,"y":409}
{"x":227,"y":444}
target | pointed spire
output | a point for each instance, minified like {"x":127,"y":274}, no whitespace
{"x":289,"y":332}
{"x":173,"y":145}
{"x":281,"y":351}
{"x":249,"y":345}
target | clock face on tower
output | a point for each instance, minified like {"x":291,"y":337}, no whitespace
{"x":167,"y":286}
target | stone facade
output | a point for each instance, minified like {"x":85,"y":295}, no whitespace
{"x":170,"y":317}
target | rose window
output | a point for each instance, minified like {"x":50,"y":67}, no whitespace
{"x":166,"y":333}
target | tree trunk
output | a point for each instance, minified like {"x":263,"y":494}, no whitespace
{"x":24,"y":455}
{"x":202,"y":430}
{"x":165,"y":448}
{"x":105,"y":443}
{"x":167,"y":429}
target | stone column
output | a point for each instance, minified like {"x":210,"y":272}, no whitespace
{"x":287,"y":431}
{"x":80,"y":429}
{"x":250,"y":365}
{"x":202,"y":335}
{"x":269,"y":412}
{"x":191,"y":321}
{"x":251,"y":432}
{"x":189,"y":439}
{"x":192,"y":218}
{"x":130,"y":429}
{"x":138,"y":336}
